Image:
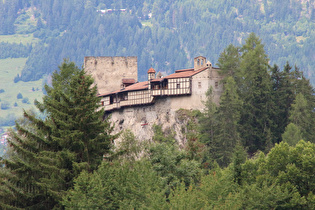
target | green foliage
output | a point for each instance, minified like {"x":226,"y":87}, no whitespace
{"x":287,"y":171}
{"x":255,"y":92}
{"x":229,"y":60}
{"x":303,"y":117}
{"x":14,"y":50}
{"x":130,"y":149}
{"x":25,"y":100}
{"x":282,"y":97}
{"x":190,"y":128}
{"x":173,"y":166}
{"x":5,"y":105}
{"x":160,"y":136}
{"x":208,"y":119}
{"x":219,"y":126}
{"x":292,"y":134}
{"x":49,"y":152}
{"x":227,"y":131}
{"x":283,"y":179}
{"x":215,"y":191}
{"x":19,"y":96}
{"x":180,"y":25}
{"x":115,"y":186}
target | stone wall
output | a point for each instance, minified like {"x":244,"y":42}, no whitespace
{"x":140,"y":120}
{"x":108,"y":72}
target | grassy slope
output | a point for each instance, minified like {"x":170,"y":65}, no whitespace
{"x":19,"y":38}
{"x":9,"y":68}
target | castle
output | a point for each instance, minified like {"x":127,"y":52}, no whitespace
{"x":138,"y":105}
{"x":116,"y":78}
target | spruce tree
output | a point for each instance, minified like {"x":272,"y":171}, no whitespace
{"x":282,"y":96}
{"x":49,"y":153}
{"x":292,"y":134}
{"x":228,"y":115}
{"x":255,"y":91}
{"x":229,"y":61}
{"x":303,"y":117}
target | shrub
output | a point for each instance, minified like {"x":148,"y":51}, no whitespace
{"x":16,"y":78}
{"x":26,"y":101}
{"x":19,"y":96}
{"x":5,"y":105}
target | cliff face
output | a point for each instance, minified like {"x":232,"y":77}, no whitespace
{"x":140,"y":120}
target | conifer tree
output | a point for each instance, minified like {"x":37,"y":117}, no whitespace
{"x":256,"y":94}
{"x":303,"y":86}
{"x":292,"y":134}
{"x":282,"y":96}
{"x":208,"y":123}
{"x":49,"y":153}
{"x":228,"y":115}
{"x":229,"y":60}
{"x":303,"y":117}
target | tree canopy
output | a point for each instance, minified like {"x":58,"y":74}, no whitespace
{"x":48,"y":153}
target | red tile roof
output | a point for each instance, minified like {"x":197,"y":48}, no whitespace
{"x":181,"y":70}
{"x":183,"y":74}
{"x":151,"y":70}
{"x":128,"y":81}
{"x":137,"y":86}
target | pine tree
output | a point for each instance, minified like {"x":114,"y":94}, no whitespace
{"x":282,"y":96}
{"x":292,"y":134}
{"x":228,"y":115}
{"x":256,"y":94}
{"x":229,"y":60}
{"x":303,"y":117}
{"x":303,"y":86}
{"x":208,"y":124}
{"x":49,"y":153}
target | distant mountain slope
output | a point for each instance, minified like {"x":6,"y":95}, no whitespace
{"x":176,"y":32}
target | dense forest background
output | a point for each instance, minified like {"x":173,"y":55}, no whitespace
{"x":164,"y":34}
{"x":254,"y":151}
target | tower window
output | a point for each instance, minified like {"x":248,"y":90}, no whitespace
{"x":199,"y":84}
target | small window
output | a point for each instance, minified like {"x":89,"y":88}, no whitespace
{"x":178,"y":86}
{"x":199,"y":84}
{"x":216,"y":84}
{"x":102,"y":103}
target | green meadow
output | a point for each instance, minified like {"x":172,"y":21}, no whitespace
{"x":19,"y":38}
{"x":9,"y":68}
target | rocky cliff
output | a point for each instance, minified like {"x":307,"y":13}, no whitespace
{"x":141,"y":119}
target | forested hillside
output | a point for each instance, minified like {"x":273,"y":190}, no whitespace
{"x":254,"y":151}
{"x":164,"y":34}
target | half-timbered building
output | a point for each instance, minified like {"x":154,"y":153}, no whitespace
{"x":186,"y":88}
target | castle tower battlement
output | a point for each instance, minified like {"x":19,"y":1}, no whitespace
{"x":107,"y":70}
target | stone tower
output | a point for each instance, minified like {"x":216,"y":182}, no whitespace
{"x":151,"y":74}
{"x":199,"y":62}
{"x":108,"y":71}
